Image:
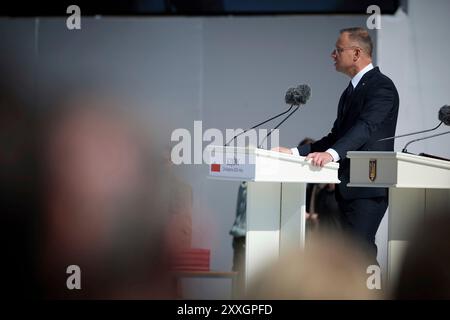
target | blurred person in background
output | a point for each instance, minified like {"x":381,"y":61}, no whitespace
{"x":311,"y":192}
{"x":322,"y":210}
{"x":327,"y":208}
{"x":238,"y":231}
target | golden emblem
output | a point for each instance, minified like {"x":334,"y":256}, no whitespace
{"x":372,"y":169}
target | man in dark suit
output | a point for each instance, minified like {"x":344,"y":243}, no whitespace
{"x":367,"y":112}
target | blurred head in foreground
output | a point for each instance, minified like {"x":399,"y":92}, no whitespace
{"x":329,"y":268}
{"x":105,"y":204}
{"x":426,"y":269}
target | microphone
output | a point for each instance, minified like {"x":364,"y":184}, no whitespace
{"x":293,"y":97}
{"x":298,"y":96}
{"x":443,"y":116}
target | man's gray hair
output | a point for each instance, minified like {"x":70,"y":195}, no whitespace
{"x":361,"y":36}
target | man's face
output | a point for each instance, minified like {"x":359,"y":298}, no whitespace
{"x":343,"y":54}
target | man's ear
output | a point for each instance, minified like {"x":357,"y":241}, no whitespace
{"x":357,"y":55}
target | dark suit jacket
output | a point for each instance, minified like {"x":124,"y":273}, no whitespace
{"x":371,"y":114}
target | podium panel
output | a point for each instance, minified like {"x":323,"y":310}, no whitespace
{"x":419,"y":187}
{"x":276,"y":198}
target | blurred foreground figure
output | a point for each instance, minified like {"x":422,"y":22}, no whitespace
{"x":19,"y":197}
{"x":426,"y":269}
{"x":329,"y":268}
{"x":106,"y":204}
{"x":180,"y":205}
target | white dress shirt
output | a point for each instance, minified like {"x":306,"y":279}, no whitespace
{"x":355,"y":81}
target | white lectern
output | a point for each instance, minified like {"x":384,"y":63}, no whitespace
{"x":275,"y":198}
{"x":418,"y":187}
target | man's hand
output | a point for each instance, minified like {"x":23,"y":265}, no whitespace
{"x":282,"y":150}
{"x":319,"y":158}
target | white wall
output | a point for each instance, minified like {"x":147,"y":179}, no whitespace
{"x":413,"y":50}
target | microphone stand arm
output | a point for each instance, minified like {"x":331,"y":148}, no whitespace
{"x":259,"y":124}
{"x":271,"y":130}
{"x":424,"y":138}
{"x":410,"y":134}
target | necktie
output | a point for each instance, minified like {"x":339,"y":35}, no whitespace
{"x":349,"y":90}
{"x":348,"y":96}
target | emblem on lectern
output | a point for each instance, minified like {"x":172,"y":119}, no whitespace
{"x":372,"y":169}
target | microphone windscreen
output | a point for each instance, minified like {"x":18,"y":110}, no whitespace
{"x":298,"y":95}
{"x":305,"y":93}
{"x":289,"y":97}
{"x":444,"y":115}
